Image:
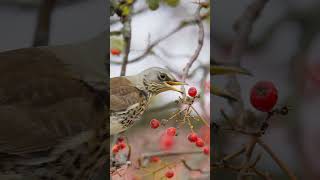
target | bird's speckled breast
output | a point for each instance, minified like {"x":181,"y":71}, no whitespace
{"x":120,"y":121}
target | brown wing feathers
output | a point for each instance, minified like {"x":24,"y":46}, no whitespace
{"x":40,"y":102}
{"x":123,"y":94}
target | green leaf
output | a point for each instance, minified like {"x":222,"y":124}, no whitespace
{"x":125,"y":10}
{"x":222,"y":70}
{"x":116,"y":43}
{"x":172,"y":3}
{"x":153,"y":4}
{"x":130,"y":1}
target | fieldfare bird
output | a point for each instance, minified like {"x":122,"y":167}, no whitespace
{"x":130,"y":95}
{"x":53,"y":111}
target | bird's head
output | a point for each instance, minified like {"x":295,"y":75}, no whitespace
{"x":157,"y":80}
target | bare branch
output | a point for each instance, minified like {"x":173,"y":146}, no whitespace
{"x":234,"y":155}
{"x":281,"y":164}
{"x":126,"y":32}
{"x":194,"y":57}
{"x":171,"y":153}
{"x":243,"y":27}
{"x":149,"y":49}
{"x":186,"y":165}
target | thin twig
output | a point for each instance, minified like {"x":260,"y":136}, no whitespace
{"x":234,"y":155}
{"x":281,"y":164}
{"x":194,"y":57}
{"x":126,"y":32}
{"x":243,"y":27}
{"x":186,"y":165}
{"x":150,"y":47}
{"x":203,"y":120}
{"x":264,"y":176}
{"x":206,"y":72}
{"x":171,"y":153}
{"x":246,"y":162}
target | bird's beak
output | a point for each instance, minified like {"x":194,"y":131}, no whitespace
{"x":170,"y":85}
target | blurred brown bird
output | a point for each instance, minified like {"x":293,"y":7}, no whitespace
{"x":53,"y":111}
{"x":130,"y":95}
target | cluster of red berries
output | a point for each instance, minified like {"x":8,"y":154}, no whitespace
{"x":115,"y":51}
{"x":154,"y":123}
{"x":194,"y":138}
{"x":167,"y":138}
{"x":171,"y":131}
{"x":119,"y":145}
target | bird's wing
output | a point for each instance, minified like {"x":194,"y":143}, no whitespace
{"x":41,"y":103}
{"x":123,"y":94}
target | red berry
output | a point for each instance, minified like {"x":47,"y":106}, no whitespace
{"x":199,"y":142}
{"x":192,"y":91}
{"x":169,"y":174}
{"x":166,"y":142}
{"x":122,"y":145}
{"x":115,"y":149}
{"x":192,"y":137}
{"x":206,"y":150}
{"x":264,"y":96}
{"x":154,"y":159}
{"x":171,"y":131}
{"x":115,"y":51}
{"x":154,"y":123}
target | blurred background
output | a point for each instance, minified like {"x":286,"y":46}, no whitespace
{"x":30,"y":23}
{"x":284,"y":49}
{"x":172,"y":53}
{"x":27,"y":23}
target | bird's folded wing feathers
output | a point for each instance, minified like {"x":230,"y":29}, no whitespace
{"x":123,"y":94}
{"x":41,"y":103}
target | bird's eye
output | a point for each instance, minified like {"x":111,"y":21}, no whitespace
{"x":162,"y":77}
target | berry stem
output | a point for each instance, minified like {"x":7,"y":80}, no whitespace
{"x":265,"y":124}
{"x":161,"y":168}
{"x":175,"y":114}
{"x":204,"y":121}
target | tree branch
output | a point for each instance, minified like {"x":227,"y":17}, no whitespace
{"x":171,"y":153}
{"x":194,"y":57}
{"x":243,"y":27}
{"x":281,"y":164}
{"x":150,"y":47}
{"x":126,"y":32}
